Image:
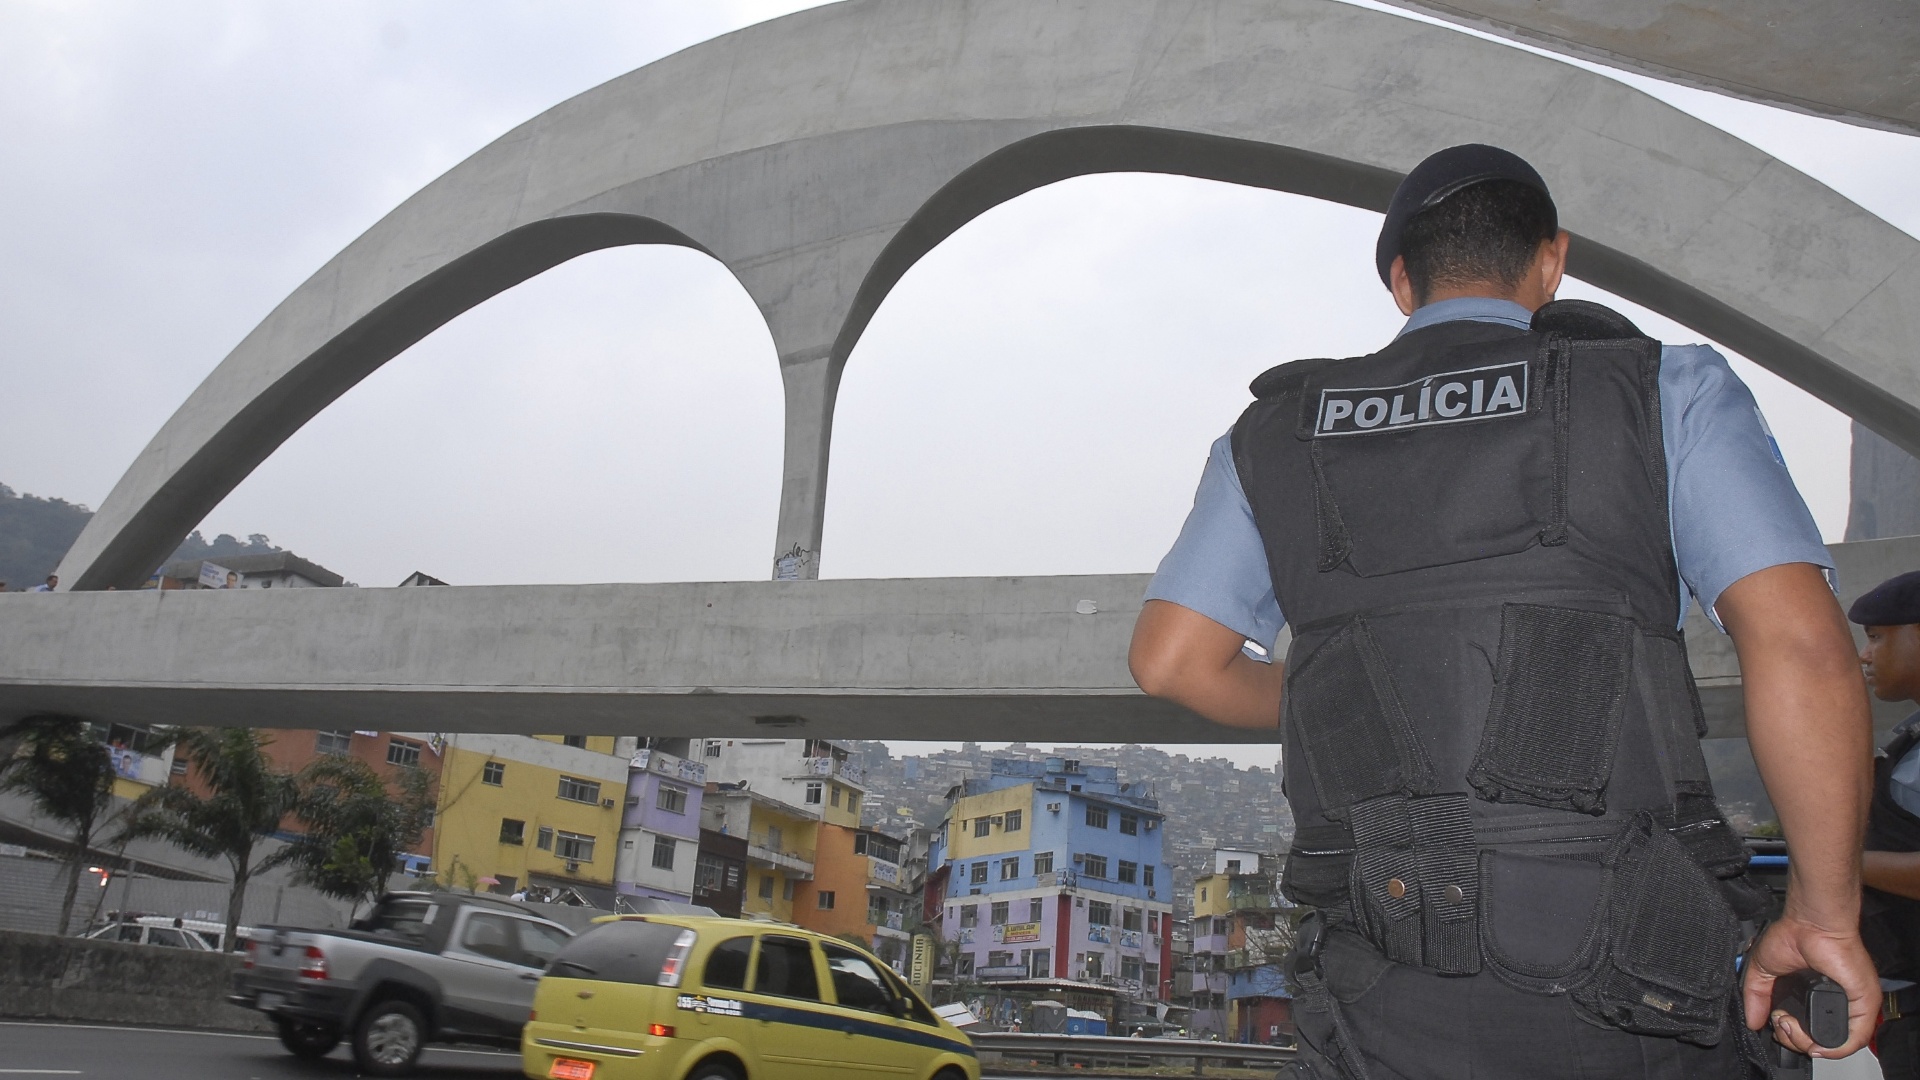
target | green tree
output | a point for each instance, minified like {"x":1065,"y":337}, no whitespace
{"x":64,"y":769}
{"x":245,"y":800}
{"x":355,"y":828}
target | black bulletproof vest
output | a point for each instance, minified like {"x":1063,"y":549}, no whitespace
{"x":1491,"y":732}
{"x":1890,"y":924}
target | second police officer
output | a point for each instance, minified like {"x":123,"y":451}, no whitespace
{"x":1483,"y":537}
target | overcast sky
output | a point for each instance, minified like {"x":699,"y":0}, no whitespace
{"x":1035,"y":397}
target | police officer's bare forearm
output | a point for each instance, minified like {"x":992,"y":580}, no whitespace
{"x":1811,"y":733}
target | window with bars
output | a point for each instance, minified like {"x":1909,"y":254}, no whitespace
{"x":978,"y":874}
{"x":814,"y":791}
{"x":578,"y":742}
{"x":574,"y":789}
{"x":969,"y":915}
{"x":544,"y":839}
{"x":766,"y":886}
{"x":1146,"y":875}
{"x":982,"y":826}
{"x":333,"y":743}
{"x":1036,"y":909}
{"x":1015,"y":821}
{"x":671,"y":799}
{"x":1129,"y":825}
{"x":663,"y":847}
{"x":1099,"y":913}
{"x":494,"y":773}
{"x":573,"y":846}
{"x":997,"y":914}
{"x":713,"y":747}
{"x":1010,"y":868}
{"x":1129,"y":918}
{"x":1096,"y":817}
{"x":403,"y":753}
{"x":1129,"y":872}
{"x":1095,"y":866}
{"x":1043,"y":862}
{"x":825,"y":899}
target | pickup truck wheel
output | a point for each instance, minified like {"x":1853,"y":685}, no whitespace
{"x":388,"y":1038}
{"x":307,"y":1040}
{"x":712,"y":1070}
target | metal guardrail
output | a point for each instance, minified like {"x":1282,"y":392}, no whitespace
{"x":1064,"y":1049}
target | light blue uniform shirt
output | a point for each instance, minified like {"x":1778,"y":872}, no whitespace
{"x":1733,"y":508}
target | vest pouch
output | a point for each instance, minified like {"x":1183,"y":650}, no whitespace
{"x":1319,"y":867}
{"x":1559,"y":701}
{"x":1668,"y":969}
{"x":1344,"y":713}
{"x":1542,"y":917}
{"x":1414,"y":885}
{"x":1712,"y":844}
{"x":1464,"y":464}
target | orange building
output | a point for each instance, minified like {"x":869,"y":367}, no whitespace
{"x":857,"y":892}
{"x":390,"y":754}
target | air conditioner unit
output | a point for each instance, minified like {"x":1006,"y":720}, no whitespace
{"x":1079,"y":857}
{"x":573,"y":866}
{"x":999,"y":819}
{"x":606,"y":804}
{"x":1053,"y":808}
{"x":1152,"y":824}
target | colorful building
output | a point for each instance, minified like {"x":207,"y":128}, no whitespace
{"x":1242,"y":933}
{"x":859,"y":890}
{"x":780,"y":842}
{"x":1054,"y":879}
{"x":536,"y":812}
{"x":660,"y":826}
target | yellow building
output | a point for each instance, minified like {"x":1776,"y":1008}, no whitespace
{"x":978,"y":823}
{"x":541,"y":811}
{"x":782,"y":843}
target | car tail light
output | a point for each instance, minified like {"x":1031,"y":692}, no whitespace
{"x":316,"y":964}
{"x":676,"y":960}
{"x":532,"y":1015}
{"x":247,"y":964}
{"x":662,"y":1031}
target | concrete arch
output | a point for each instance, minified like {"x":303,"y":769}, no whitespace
{"x":819,"y":155}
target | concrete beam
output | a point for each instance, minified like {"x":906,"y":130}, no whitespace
{"x":820,"y":155}
{"x":1858,"y":61}
{"x":937,"y":658}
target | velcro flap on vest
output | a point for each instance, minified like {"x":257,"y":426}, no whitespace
{"x":1345,"y":714}
{"x":1558,"y":706}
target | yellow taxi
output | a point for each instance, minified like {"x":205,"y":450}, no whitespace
{"x":686,"y":997}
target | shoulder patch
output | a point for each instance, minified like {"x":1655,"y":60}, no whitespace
{"x":1451,"y":397}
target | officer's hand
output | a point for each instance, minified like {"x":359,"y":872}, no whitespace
{"x":1795,"y":944}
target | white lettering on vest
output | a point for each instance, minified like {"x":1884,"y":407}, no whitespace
{"x":1505,"y":395}
{"x":1448,"y":397}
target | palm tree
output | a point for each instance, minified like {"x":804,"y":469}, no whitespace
{"x":244,"y":803}
{"x":355,"y":829}
{"x":59,"y":764}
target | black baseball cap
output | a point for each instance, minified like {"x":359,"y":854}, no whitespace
{"x":1893,"y":602}
{"x":1440,"y":175}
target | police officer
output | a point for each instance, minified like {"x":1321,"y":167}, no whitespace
{"x":1480,"y":536}
{"x":1890,"y":915}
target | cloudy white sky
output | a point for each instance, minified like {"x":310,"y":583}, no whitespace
{"x":1036,"y":397}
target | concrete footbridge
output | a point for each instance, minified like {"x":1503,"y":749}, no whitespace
{"x":818,"y":157}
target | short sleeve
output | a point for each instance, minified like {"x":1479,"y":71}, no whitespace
{"x":1735,"y":509}
{"x":1218,"y":566}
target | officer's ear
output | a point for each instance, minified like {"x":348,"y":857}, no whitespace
{"x":1550,"y":265}
{"x":1402,"y":285}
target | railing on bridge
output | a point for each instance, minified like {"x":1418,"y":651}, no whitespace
{"x":1095,"y":1051}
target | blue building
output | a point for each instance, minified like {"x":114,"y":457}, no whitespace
{"x":1055,"y":874}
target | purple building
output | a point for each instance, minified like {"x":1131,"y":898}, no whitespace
{"x":660,"y":828}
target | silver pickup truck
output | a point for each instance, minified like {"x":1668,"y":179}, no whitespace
{"x":421,"y":967}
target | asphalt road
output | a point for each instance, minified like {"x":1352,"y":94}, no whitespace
{"x":29,"y":1049}
{"x":55,"y":1050}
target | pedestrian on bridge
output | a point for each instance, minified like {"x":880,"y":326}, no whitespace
{"x":1890,"y":916}
{"x":1484,"y":537}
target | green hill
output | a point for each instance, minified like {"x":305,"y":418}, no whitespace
{"x":36,"y":532}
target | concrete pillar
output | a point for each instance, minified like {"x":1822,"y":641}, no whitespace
{"x":812,"y":382}
{"x":1886,"y":489}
